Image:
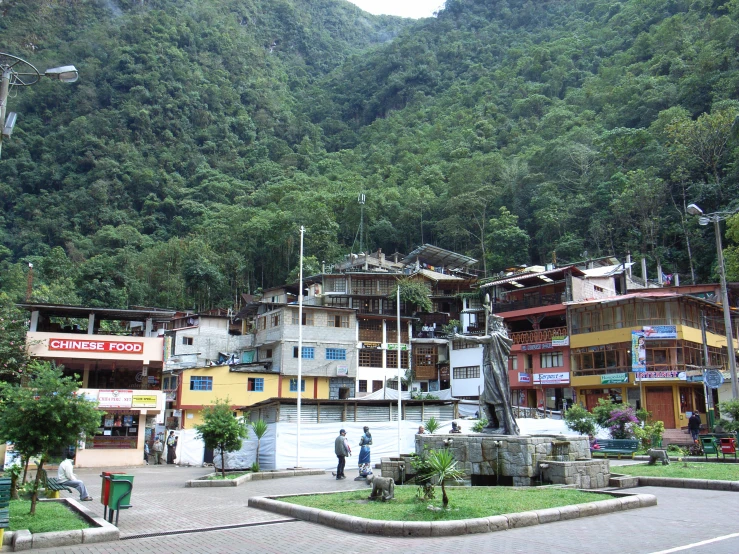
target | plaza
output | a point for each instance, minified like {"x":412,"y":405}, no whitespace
{"x":168,"y":517}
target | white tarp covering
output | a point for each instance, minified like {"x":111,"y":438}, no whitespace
{"x":278,"y":447}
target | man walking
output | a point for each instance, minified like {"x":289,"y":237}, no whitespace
{"x":694,"y":425}
{"x":342,"y":449}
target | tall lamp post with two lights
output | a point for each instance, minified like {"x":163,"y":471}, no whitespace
{"x":17,"y":72}
{"x":716,"y":218}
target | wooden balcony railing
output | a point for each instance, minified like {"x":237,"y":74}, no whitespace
{"x":538,"y":335}
{"x":530,"y":302}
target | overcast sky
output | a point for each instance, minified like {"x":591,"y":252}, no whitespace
{"x":404,"y":8}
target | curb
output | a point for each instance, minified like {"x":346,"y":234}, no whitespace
{"x":705,"y":484}
{"x":262,"y":475}
{"x":353,"y":524}
{"x":101,"y":531}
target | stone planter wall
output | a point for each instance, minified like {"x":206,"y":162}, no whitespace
{"x":583,"y":474}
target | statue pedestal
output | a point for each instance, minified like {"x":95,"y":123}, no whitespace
{"x":520,"y":459}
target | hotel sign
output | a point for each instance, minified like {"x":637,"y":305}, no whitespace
{"x":75,"y":345}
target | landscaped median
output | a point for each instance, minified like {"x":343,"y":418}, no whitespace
{"x":213,"y":480}
{"x":89,"y":529}
{"x":686,"y":475}
{"x":407,"y":516}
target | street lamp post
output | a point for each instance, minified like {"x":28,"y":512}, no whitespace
{"x":716,"y":218}
{"x":17,"y":72}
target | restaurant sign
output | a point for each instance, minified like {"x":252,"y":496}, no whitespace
{"x":69,"y":345}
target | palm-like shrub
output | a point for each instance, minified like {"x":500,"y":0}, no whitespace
{"x":443,"y":466}
{"x":260,"y":429}
{"x":432,"y":425}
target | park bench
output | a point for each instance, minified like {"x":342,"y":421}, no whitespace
{"x":616,"y":447}
{"x":51,"y":485}
{"x":4,"y":503}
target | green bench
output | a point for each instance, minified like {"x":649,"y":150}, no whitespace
{"x":4,"y":503}
{"x":616,"y":447}
{"x":51,"y":485}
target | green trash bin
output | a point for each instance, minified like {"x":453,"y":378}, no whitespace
{"x":119,"y":497}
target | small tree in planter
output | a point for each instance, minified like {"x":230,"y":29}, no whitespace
{"x":222,"y":431}
{"x":45,"y":416}
{"x":260,"y":429}
{"x":432,"y":425}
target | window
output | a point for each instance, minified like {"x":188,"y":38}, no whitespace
{"x":170,"y":383}
{"x":201,"y":383}
{"x":425,"y":356}
{"x":309,"y":352}
{"x":337,"y":320}
{"x":468,"y":372}
{"x":392,"y":358}
{"x":274,"y":320}
{"x":187,"y":341}
{"x":268,"y":353}
{"x":294,"y":385}
{"x":362,"y":385}
{"x":514,"y":363}
{"x":336,"y":354}
{"x":376,"y":385}
{"x":307,"y":317}
{"x":551,"y":359}
{"x":336,"y":285}
{"x":255,"y":384}
{"x":370,"y":357}
{"x":528,"y":362}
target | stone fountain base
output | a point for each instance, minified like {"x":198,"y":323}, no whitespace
{"x":522,"y":460}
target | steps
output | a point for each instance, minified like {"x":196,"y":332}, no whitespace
{"x":679,"y":437}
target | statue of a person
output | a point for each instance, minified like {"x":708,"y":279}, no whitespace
{"x":496,"y":396}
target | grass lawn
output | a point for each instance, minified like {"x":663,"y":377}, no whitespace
{"x":219,"y":477}
{"x":690,"y":470}
{"x":50,"y":516}
{"x":464,"y":502}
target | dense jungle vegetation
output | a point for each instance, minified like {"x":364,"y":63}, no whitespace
{"x":203,"y":133}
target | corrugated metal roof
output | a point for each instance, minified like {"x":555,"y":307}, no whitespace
{"x":523,"y":277}
{"x":439,"y":256}
{"x":436,"y":276}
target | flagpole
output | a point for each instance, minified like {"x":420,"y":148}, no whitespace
{"x":400,"y":391}
{"x":300,"y":347}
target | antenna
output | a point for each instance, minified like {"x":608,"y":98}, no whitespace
{"x":361,"y":199}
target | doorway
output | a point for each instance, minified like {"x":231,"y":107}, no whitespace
{"x":660,"y":403}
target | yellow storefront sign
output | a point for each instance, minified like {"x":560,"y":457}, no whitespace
{"x":144,"y":401}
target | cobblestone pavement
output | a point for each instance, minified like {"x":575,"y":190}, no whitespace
{"x":162,"y":504}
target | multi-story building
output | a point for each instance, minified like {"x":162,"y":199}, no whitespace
{"x":602,"y":344}
{"x":118,"y":357}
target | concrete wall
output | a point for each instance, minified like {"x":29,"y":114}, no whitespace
{"x":463,"y":358}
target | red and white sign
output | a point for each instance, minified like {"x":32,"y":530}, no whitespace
{"x":115,"y":398}
{"x":76,"y":345}
{"x":551,"y":378}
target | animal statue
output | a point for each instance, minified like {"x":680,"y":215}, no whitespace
{"x":382,"y":488}
{"x":657,"y":454}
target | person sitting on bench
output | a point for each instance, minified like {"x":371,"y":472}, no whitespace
{"x":67,"y":477}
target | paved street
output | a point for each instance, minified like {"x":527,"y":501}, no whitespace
{"x":162,"y":504}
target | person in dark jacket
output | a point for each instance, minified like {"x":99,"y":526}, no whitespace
{"x":694,"y":425}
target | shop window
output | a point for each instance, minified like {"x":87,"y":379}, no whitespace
{"x":294,"y":385}
{"x":255,"y":384}
{"x":309,"y":352}
{"x":187,"y":341}
{"x":201,"y":383}
{"x":362,"y":385}
{"x":336,"y":354}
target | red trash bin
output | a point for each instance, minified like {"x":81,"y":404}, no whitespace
{"x":105,"y":491}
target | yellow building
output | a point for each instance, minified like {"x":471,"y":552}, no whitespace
{"x":671,"y":384}
{"x":198,"y":387}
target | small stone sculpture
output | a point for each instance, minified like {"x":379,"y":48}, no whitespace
{"x":382,"y":488}
{"x":657,"y":454}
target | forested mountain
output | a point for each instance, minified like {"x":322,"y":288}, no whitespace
{"x":201,"y":134}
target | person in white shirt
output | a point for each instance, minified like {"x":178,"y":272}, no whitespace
{"x":67,"y":477}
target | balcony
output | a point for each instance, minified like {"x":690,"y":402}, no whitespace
{"x":538,"y":335}
{"x":529,"y":302}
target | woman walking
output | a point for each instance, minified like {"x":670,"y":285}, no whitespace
{"x":365,"y":442}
